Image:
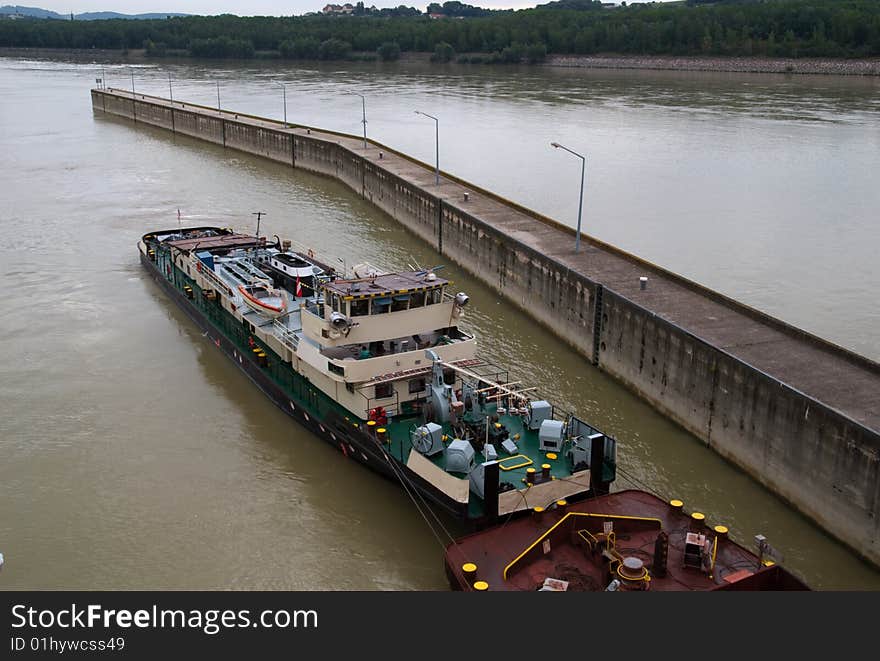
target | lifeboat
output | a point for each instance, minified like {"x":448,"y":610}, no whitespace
{"x":264,"y":299}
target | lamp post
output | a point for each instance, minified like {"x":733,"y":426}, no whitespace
{"x":218,"y":95}
{"x":364,"y":114}
{"x":284,"y":95}
{"x":133,"y":107}
{"x":577,"y":239}
{"x":436,"y":144}
{"x":171,"y":97}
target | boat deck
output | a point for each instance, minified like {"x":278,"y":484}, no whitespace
{"x":514,"y":467}
{"x":584,"y":546}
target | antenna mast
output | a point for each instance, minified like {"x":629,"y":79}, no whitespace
{"x":259,"y":214}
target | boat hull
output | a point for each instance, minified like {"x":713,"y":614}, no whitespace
{"x":351,"y":441}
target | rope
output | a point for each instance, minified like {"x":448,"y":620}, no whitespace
{"x":406,"y":488}
{"x":407,"y":485}
{"x":638,"y":482}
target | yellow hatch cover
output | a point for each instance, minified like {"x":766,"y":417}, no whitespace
{"x":521,"y":460}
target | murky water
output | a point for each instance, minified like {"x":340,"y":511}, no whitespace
{"x":134,"y":455}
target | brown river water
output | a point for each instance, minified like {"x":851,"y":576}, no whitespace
{"x":136,"y":456}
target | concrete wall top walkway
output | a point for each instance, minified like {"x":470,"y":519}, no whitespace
{"x":840,"y":379}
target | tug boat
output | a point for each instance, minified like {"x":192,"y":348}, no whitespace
{"x":379,"y":366}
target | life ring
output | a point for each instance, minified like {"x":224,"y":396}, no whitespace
{"x":199,"y":266}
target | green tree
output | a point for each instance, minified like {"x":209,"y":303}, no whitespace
{"x":817,"y":28}
{"x":443,"y":52}
{"x":388,"y":51}
{"x":536,"y":53}
{"x":221,"y":47}
{"x":152,"y":49}
{"x":334,"y":49}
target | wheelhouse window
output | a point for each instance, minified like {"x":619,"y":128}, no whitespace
{"x":417,"y":299}
{"x":416,"y":386}
{"x":399,"y":302}
{"x":381,"y":305}
{"x":384,"y":390}
{"x":360,"y":308}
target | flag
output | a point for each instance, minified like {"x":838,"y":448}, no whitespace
{"x":299,"y":289}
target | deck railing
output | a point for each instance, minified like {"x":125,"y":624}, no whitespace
{"x":288,"y":337}
{"x":200,"y":267}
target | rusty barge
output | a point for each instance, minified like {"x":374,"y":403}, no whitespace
{"x":624,"y":541}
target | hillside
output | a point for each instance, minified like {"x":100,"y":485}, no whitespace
{"x":36,"y":12}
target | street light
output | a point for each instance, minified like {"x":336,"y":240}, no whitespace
{"x":364,"y":112}
{"x":284,"y":94}
{"x":437,"y":143}
{"x":171,"y":98}
{"x":133,"y":107}
{"x":218,"y":95}
{"x":577,"y":240}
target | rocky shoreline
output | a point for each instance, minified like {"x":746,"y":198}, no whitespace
{"x":836,"y":67}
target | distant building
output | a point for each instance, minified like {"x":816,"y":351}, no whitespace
{"x":436,"y":16}
{"x":347,"y":8}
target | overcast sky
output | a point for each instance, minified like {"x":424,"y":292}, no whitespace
{"x":239,"y":7}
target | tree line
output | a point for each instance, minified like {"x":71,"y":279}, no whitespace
{"x":775,"y":28}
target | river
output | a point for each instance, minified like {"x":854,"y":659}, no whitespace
{"x":135,"y":456}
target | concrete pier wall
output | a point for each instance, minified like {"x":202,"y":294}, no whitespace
{"x":823,"y":463}
{"x":802,"y":418}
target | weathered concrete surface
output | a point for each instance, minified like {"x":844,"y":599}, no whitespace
{"x":798,"y":413}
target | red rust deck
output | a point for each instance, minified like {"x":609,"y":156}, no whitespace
{"x":554,"y":549}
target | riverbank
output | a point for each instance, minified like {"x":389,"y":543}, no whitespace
{"x":826,"y":66}
{"x":838,"y":67}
